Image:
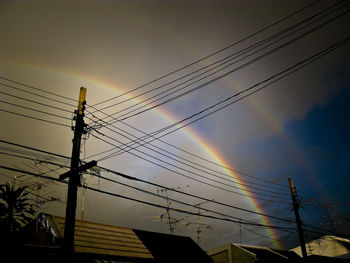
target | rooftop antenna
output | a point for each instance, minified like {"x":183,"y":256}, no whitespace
{"x":199,"y":221}
{"x":171,"y":220}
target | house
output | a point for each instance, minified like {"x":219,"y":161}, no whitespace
{"x":327,"y":246}
{"x":95,"y":242}
{"x":326,"y":249}
{"x":231,"y":253}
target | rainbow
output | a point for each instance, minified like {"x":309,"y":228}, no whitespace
{"x":218,"y":158}
{"x":276,"y":127}
{"x":193,"y":135}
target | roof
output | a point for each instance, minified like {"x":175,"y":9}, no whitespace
{"x":264,"y":254}
{"x":329,"y":246}
{"x":171,"y":248}
{"x":95,"y":238}
{"x":233,"y":252}
{"x":100,"y":241}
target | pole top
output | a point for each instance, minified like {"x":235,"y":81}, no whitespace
{"x":82,"y":97}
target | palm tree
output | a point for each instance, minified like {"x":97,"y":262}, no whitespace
{"x":15,"y":208}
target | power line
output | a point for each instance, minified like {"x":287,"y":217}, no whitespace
{"x":34,"y":94}
{"x":214,"y":53}
{"x":316,"y":204}
{"x":184,"y":193}
{"x":133,"y":179}
{"x":40,"y":111}
{"x":163,"y":197}
{"x":147,"y":203}
{"x":131,"y":114}
{"x":34,"y":194}
{"x":191,"y":195}
{"x":36,"y":88}
{"x":273,"y":79}
{"x":175,"y":190}
{"x":226,"y":178}
{"x":17,"y":82}
{"x":140,"y":145}
{"x":32,"y":101}
{"x":35,"y":118}
{"x":187,"y":152}
{"x":160,"y":206}
{"x":298,"y":66}
{"x":35,"y":160}
{"x":34,"y":149}
{"x":184,"y":175}
{"x":207,"y":170}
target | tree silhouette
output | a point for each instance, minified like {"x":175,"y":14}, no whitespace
{"x":16,"y":209}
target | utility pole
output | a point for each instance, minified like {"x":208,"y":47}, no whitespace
{"x":74,"y":177}
{"x":297,"y":217}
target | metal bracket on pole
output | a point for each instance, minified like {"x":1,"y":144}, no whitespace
{"x":80,"y":169}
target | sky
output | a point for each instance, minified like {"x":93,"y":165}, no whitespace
{"x":160,"y":59}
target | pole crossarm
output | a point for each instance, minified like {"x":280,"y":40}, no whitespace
{"x":80,"y":169}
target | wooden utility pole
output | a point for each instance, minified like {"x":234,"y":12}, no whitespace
{"x":74,"y":177}
{"x":297,"y":217}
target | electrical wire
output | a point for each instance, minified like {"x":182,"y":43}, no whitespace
{"x":34,"y":159}
{"x":35,"y":102}
{"x":193,"y":164}
{"x":35,"y":118}
{"x":312,"y":58}
{"x":35,"y":94}
{"x":191,"y":154}
{"x":316,"y":205}
{"x":136,"y":179}
{"x":175,"y":190}
{"x":226,"y":178}
{"x":162,"y":206}
{"x":149,"y":203}
{"x":273,"y":79}
{"x":216,"y":52}
{"x":34,"y":149}
{"x":300,"y":63}
{"x":40,"y":111}
{"x":34,"y":194}
{"x":167,"y":198}
{"x":38,"y":89}
{"x":125,"y":116}
{"x":185,"y":175}
{"x":191,"y":195}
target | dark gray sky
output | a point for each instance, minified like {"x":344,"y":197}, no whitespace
{"x":293,"y":128}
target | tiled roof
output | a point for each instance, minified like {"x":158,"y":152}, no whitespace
{"x":95,"y":238}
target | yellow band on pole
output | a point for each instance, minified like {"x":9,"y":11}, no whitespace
{"x":82,"y":97}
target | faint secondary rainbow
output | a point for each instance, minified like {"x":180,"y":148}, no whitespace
{"x":204,"y":145}
{"x":276,"y":128}
{"x":219,"y":159}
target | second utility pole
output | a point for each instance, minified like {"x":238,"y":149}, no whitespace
{"x":297,"y":218}
{"x":74,"y":178}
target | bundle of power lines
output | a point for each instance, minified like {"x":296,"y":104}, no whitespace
{"x":55,"y":109}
